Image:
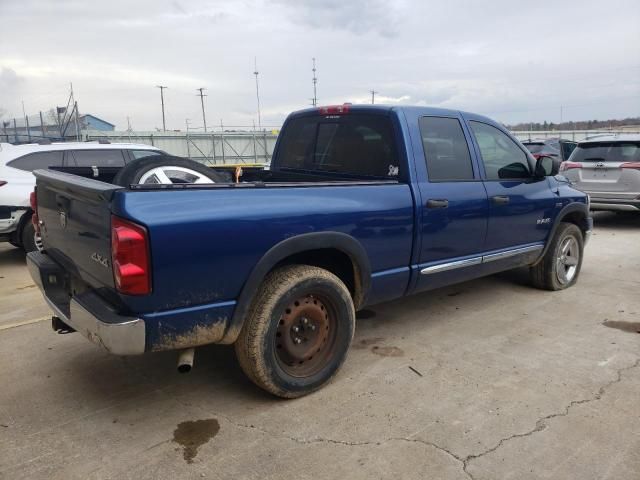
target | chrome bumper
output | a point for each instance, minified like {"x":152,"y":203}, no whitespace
{"x":86,"y":313}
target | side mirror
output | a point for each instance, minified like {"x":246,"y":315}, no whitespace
{"x":547,"y":167}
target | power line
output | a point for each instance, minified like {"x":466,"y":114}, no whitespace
{"x":162,"y":89}
{"x":202,"y":95}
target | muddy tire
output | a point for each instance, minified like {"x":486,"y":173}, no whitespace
{"x":560,"y":266}
{"x":297,"y":332}
{"x":166,"y":169}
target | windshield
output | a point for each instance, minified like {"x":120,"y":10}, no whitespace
{"x":607,"y":152}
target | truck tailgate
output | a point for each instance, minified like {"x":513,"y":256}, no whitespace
{"x":75,"y":219}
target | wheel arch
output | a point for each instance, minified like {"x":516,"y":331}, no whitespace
{"x":576,"y":213}
{"x":336,"y":252}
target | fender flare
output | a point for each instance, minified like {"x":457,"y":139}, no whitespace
{"x":567,"y":210}
{"x":291,"y":246}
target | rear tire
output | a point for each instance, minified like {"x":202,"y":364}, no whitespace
{"x":297,"y":332}
{"x":561,"y":264}
{"x":140,"y":169}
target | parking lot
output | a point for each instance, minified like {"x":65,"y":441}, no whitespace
{"x":488,"y":379}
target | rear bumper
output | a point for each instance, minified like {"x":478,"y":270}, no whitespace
{"x":87,"y":313}
{"x":618,"y":205}
{"x":629,"y":202}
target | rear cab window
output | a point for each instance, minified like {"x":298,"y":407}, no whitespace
{"x":36,"y":160}
{"x":446,"y":150}
{"x":356,"y":144}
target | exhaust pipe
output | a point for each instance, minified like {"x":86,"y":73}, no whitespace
{"x":185,"y":360}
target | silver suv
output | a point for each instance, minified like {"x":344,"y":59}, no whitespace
{"x":607,"y":167}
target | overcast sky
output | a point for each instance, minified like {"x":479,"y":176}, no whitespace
{"x":512,"y":60}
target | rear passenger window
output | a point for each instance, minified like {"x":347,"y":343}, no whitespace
{"x":37,"y":160}
{"x":94,"y":158}
{"x":446,"y":150}
{"x":502,"y":158}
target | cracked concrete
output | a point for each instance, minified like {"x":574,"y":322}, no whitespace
{"x":516,"y":383}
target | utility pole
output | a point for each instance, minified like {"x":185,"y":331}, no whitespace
{"x":373,"y":96}
{"x":162,"y":89}
{"x":315,"y":82}
{"x":255,"y":64}
{"x":202,"y":95}
{"x":42,"y":126}
{"x":26,"y":121}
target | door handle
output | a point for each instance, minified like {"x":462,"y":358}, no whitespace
{"x":437,"y":203}
{"x":500,"y":199}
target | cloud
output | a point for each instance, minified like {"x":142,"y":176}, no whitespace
{"x":360,"y":17}
{"x":509,"y":61}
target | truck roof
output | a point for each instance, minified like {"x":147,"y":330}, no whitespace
{"x":414,"y":109}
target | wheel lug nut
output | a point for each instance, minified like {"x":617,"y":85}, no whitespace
{"x":296,"y":329}
{"x":312,"y":327}
{"x":297,"y":340}
{"x":305,"y":320}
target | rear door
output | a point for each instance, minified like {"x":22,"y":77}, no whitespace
{"x":521,"y":207}
{"x":453,"y":217}
{"x":600,"y":169}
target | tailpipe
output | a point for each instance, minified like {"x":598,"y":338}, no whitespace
{"x":185,"y":360}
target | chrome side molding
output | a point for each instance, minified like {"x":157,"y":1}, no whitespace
{"x":443,"y":267}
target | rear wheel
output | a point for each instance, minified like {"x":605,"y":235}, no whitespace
{"x":560,"y":266}
{"x":297,"y":332}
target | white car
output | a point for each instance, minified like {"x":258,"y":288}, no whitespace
{"x":101,"y":160}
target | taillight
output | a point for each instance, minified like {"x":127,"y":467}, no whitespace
{"x":569,"y":165}
{"x":33,"y":202}
{"x":335,"y":109}
{"x":130,"y":257}
{"x":635,"y":165}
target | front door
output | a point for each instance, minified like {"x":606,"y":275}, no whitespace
{"x":521,"y":207}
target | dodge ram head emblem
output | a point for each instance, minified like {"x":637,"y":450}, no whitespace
{"x":63,"y":219}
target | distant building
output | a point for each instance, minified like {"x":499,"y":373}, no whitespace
{"x":91,"y":122}
{"x":16,"y":131}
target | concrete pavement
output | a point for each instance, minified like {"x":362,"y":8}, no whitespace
{"x":490,"y":379}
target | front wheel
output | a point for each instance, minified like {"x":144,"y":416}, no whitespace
{"x":560,"y":266}
{"x":298,"y":331}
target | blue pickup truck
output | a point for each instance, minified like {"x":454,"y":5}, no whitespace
{"x":360,"y":205}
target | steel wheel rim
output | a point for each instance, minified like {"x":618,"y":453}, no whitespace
{"x":306,"y":336}
{"x":169,"y":174}
{"x":567,"y":260}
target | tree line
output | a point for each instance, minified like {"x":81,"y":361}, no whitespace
{"x":580,"y":125}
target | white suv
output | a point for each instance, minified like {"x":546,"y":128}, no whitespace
{"x":100,"y":160}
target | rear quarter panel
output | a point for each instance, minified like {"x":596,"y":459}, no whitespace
{"x":204,"y":243}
